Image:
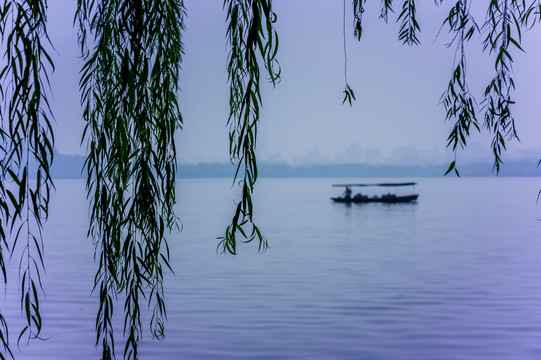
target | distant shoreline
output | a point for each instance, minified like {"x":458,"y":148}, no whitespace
{"x":511,"y":169}
{"x":70,"y":167}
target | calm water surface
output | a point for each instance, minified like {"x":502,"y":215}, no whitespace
{"x":455,"y":276}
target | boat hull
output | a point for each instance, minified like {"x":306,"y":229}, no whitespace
{"x":388,"y":199}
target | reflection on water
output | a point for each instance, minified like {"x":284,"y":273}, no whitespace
{"x":455,"y":276}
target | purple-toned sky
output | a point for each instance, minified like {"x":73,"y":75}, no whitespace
{"x":396,"y":116}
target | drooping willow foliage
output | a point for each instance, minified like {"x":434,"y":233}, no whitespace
{"x":253,"y":45}
{"x":132,"y":53}
{"x":458,"y":101}
{"x":502,"y":30}
{"x":129,"y":89}
{"x":26,"y":154}
{"x":358,"y":10}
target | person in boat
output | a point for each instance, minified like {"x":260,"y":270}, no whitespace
{"x":347,"y":193}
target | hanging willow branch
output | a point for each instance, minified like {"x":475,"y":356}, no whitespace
{"x":386,"y":8}
{"x":358,"y":10}
{"x":129,"y":86}
{"x":26,"y":152}
{"x":503,"y":30}
{"x":252,"y":39}
{"x":531,"y":14}
{"x":458,"y":101}
{"x":408,"y":23}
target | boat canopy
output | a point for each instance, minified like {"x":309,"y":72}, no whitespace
{"x":380,"y":184}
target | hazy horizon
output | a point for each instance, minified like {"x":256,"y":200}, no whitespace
{"x":354,"y":154}
{"x":71,"y":167}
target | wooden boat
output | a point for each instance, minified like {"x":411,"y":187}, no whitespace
{"x":386,"y":198}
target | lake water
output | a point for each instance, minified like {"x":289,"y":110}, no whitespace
{"x":455,"y":276}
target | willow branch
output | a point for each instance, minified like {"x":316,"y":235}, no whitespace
{"x":253,"y":45}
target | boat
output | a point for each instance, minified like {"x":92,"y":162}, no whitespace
{"x":388,"y":198}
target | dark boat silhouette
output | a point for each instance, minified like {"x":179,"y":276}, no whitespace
{"x":386,"y":198}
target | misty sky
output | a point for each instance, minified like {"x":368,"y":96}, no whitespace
{"x":397,"y":87}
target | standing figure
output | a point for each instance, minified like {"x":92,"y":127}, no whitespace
{"x":347,"y":193}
